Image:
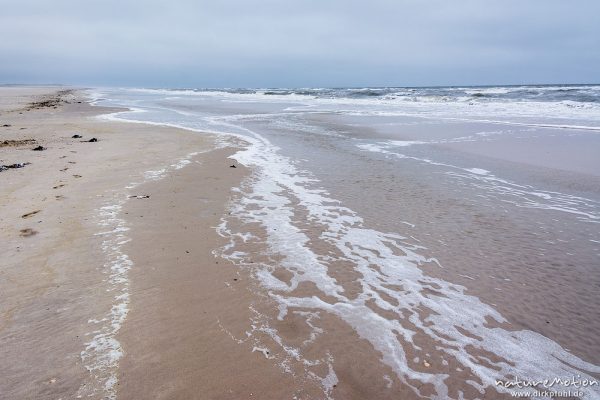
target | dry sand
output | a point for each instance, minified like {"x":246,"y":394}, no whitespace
{"x":77,"y":253}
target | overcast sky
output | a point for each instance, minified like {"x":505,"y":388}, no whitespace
{"x":291,"y":43}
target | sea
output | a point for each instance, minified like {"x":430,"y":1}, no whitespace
{"x":447,"y":239}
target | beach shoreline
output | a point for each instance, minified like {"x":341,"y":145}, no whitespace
{"x":169,"y":247}
{"x":66,"y":286}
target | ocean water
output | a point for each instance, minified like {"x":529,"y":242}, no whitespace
{"x":443,"y":238}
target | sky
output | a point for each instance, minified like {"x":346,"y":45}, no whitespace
{"x":299,"y":43}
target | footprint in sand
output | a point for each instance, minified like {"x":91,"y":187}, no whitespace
{"x":27,"y":232}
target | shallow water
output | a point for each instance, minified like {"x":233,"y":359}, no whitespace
{"x":447,"y":239}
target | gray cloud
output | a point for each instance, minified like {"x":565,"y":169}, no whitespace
{"x":299,"y":43}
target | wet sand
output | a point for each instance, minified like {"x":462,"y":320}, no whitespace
{"x":185,"y":301}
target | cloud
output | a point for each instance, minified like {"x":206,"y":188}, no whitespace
{"x":299,"y":43}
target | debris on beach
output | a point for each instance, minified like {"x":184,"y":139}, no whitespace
{"x":6,"y":125}
{"x":39,"y":148}
{"x":29,"y":214}
{"x":142,"y":196}
{"x":92,"y":140}
{"x":76,"y":137}
{"x":13,"y":166}
{"x":232,"y":166}
{"x":16,"y":143}
{"x":44,"y":104}
{"x":51,"y":101}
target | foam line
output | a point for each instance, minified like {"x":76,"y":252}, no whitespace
{"x":103,"y":351}
{"x":458,"y":321}
{"x":526,"y":196}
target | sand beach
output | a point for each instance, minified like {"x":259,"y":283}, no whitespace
{"x":184,"y":244}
